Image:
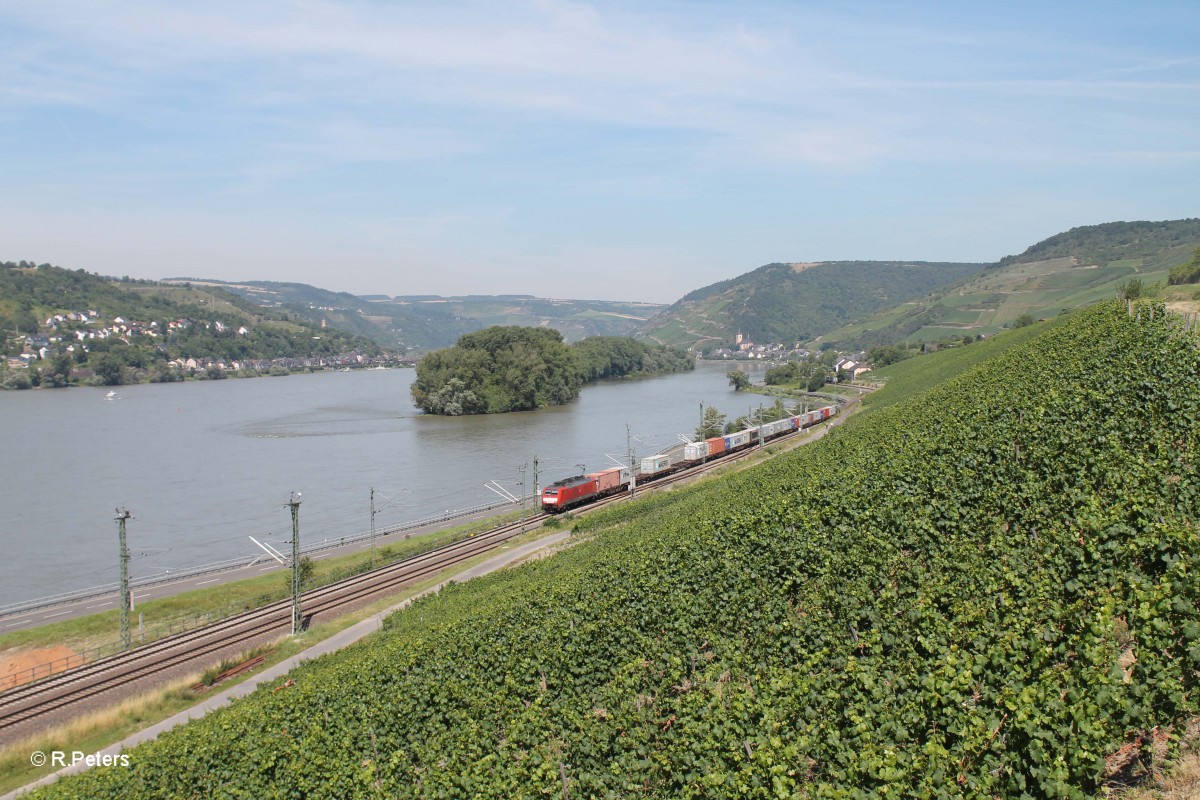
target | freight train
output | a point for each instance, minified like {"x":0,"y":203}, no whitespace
{"x":580,"y":489}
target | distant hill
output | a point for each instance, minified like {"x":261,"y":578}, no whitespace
{"x":390,"y":326}
{"x":1065,"y":271}
{"x":73,"y":325}
{"x":574,"y":319}
{"x":797,"y":302}
{"x":1152,"y":245}
{"x":417,"y":323}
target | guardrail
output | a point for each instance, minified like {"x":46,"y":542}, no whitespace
{"x":142,"y":636}
{"x":94,"y":592}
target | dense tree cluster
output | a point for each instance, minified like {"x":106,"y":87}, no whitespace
{"x":1186,"y":273}
{"x":712,"y":424}
{"x":513,"y":368}
{"x":883,"y":356}
{"x":504,"y":368}
{"x":809,"y":373}
{"x":602,"y":357}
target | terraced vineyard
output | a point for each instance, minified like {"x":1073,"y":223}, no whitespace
{"x":982,"y":591}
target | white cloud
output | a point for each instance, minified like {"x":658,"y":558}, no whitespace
{"x":495,"y":134}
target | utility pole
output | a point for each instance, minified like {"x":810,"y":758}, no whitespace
{"x":632,"y":470}
{"x":372,"y":526}
{"x":537,"y":490}
{"x":294,"y":503}
{"x":523,"y":467}
{"x":126,"y":598}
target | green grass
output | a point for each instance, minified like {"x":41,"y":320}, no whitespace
{"x":101,"y":629}
{"x":911,"y":377}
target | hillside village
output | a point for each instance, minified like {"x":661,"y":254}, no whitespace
{"x":849,"y":365}
{"x":76,"y":334}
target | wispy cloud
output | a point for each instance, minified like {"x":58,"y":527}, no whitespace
{"x":501,"y":115}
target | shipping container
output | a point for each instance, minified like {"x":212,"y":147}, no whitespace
{"x":716,"y":445}
{"x":738,"y":439}
{"x":610,"y":480}
{"x":775,"y":428}
{"x":695,"y":451}
{"x":657,"y":463}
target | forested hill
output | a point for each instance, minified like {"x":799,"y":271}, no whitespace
{"x":1153,"y":245}
{"x":71,"y":326}
{"x":1066,"y":271}
{"x":788,"y":303}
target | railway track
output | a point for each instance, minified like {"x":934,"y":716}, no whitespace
{"x":28,"y":705}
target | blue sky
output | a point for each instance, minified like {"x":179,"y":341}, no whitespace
{"x":630,"y":151}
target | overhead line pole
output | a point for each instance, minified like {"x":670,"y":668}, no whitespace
{"x":294,"y":503}
{"x":632,"y":471}
{"x":372,"y":526}
{"x":126,"y":598}
{"x":522,"y":468}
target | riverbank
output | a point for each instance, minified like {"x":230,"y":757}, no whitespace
{"x":23,"y":378}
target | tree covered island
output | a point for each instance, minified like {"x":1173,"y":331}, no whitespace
{"x":512,"y":368}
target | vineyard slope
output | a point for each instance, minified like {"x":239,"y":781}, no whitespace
{"x":988,"y":590}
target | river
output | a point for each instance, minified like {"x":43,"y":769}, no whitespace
{"x":203,"y":465}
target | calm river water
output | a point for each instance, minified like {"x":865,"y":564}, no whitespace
{"x":202,"y":465}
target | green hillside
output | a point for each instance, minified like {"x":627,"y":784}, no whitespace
{"x":75,"y":326}
{"x":983,"y":591}
{"x":574,"y":319}
{"x":1153,"y":245}
{"x":795,"y":302}
{"x":417,"y":323}
{"x":392,"y":326}
{"x":1066,"y":271}
{"x":906,"y":379}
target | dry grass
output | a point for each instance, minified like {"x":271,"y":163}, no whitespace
{"x":93,"y":732}
{"x":1175,"y":780}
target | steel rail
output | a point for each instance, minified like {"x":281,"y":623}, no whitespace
{"x":33,"y":700}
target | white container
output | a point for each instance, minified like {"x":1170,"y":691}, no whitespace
{"x":655,"y":463}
